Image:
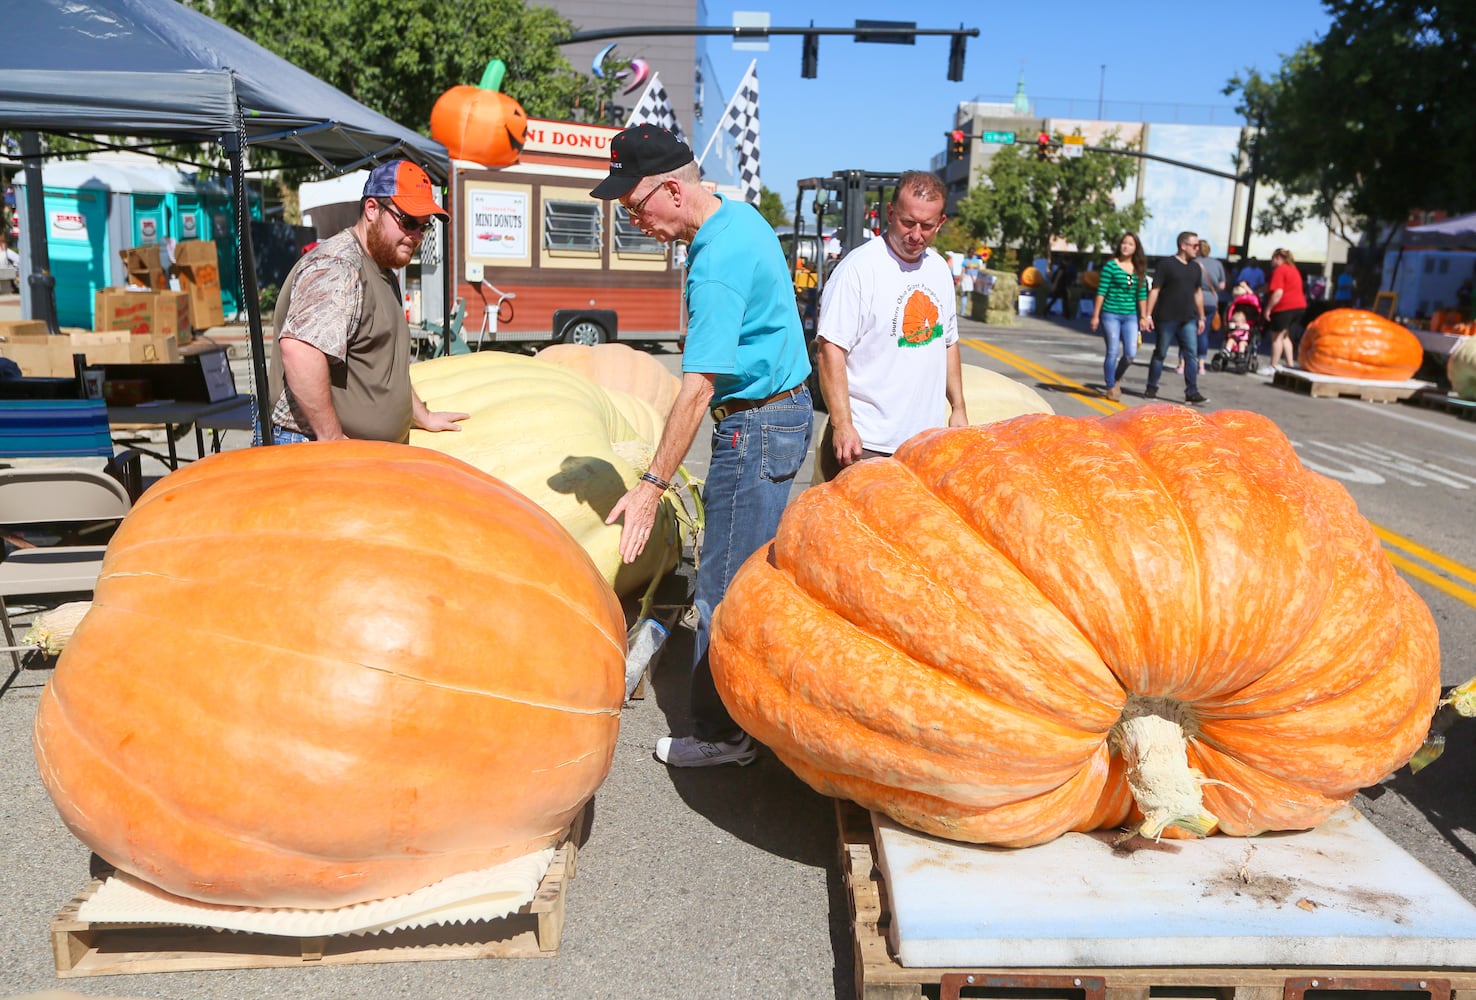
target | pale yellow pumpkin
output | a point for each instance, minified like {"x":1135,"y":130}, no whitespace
{"x":557,"y":438}
{"x":1460,"y":368}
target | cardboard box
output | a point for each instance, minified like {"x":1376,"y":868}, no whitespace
{"x":144,"y":267}
{"x":39,"y":357}
{"x":142,"y":311}
{"x":197,"y":266}
{"x":119,"y":347}
{"x":10,"y":328}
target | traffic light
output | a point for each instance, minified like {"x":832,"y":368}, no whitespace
{"x":809,"y":56}
{"x":956,"y":58}
{"x":958,"y":145}
{"x":1043,"y":147}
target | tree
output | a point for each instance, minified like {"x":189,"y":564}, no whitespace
{"x":1027,"y":202}
{"x":1370,"y":121}
{"x":398,"y":58}
{"x":771,"y":207}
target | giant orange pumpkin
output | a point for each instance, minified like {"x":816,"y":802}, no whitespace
{"x":484,"y":126}
{"x":987,"y":636}
{"x":1356,"y":343}
{"x":318,"y":674}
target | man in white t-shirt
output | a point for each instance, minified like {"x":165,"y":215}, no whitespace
{"x":888,"y":335}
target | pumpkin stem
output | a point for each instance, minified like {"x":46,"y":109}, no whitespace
{"x":493,"y":74}
{"x":1150,"y":737}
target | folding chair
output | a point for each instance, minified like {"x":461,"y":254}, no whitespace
{"x":41,"y":498}
{"x":66,"y":428}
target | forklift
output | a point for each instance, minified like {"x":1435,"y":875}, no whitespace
{"x":845,"y":192}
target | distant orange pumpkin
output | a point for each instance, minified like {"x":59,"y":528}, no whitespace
{"x":1356,"y":343}
{"x":484,"y":126}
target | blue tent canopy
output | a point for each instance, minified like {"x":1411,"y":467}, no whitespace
{"x":159,"y":69}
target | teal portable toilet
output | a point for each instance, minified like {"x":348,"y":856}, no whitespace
{"x":89,"y":219}
{"x":218,"y":224}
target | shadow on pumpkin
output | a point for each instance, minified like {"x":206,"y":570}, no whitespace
{"x":593,"y":482}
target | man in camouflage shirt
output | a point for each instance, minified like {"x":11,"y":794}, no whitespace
{"x":343,"y":345}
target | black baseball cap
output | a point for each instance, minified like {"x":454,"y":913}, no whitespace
{"x":640,"y":151}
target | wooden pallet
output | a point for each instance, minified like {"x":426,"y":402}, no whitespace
{"x":534,"y":931}
{"x":1436,"y":400}
{"x":879,"y":976}
{"x":1331,"y":387}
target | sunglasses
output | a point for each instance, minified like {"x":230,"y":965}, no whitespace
{"x":408,"y":223}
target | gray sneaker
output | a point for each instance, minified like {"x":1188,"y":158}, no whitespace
{"x":689,"y":751}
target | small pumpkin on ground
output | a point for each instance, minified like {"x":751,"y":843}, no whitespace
{"x":314,"y":675}
{"x":1356,"y":343}
{"x":1008,"y":632}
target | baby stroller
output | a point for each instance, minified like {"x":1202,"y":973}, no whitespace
{"x":1242,"y":345}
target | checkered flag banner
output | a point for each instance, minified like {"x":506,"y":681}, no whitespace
{"x":741,"y":122}
{"x":655,"y":108}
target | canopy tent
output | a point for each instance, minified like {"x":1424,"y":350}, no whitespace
{"x":155,"y":68}
{"x":1460,"y":225}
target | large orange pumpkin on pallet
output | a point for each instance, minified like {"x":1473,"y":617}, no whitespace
{"x":319,"y":674}
{"x":1012,"y":631}
{"x":1356,"y":343}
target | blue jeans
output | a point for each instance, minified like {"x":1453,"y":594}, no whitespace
{"x":1121,"y":333}
{"x":1186,"y":334}
{"x":280,"y":435}
{"x":756,"y":455}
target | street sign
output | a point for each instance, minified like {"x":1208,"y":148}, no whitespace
{"x":1071,"y":145}
{"x":999,"y":138}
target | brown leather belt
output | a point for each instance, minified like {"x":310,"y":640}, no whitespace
{"x":732,"y":406}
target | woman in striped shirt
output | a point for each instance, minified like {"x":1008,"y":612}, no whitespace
{"x":1122,"y":299}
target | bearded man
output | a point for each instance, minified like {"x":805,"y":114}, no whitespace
{"x":343,"y":345}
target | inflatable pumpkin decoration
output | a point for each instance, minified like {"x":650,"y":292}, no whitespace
{"x":481,"y":123}
{"x":319,"y":674}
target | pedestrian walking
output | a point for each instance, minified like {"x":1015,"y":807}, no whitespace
{"x":1285,"y":302}
{"x":1176,"y":313}
{"x":1119,"y":306}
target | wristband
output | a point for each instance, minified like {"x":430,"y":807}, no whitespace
{"x":656,"y":481}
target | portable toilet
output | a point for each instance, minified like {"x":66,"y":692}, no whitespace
{"x":89,"y":219}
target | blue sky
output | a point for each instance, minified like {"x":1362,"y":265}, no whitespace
{"x":886,"y":107}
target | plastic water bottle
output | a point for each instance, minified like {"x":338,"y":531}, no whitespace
{"x":643,"y":645}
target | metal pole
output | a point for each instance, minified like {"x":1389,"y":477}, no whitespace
{"x":1250,"y":196}
{"x":249,"y":291}
{"x":1101,"y":90}
{"x":42,"y":281}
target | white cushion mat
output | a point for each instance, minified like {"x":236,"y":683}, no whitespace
{"x":481,"y":895}
{"x":1342,"y":894}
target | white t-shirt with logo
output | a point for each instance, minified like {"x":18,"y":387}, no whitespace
{"x":895,"y":321}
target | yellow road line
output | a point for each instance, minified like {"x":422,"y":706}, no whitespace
{"x":1433,"y":579}
{"x":1081,"y":392}
{"x":1420,"y":552}
{"x":1393,"y":543}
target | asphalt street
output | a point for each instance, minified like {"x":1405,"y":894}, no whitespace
{"x":725,"y":882}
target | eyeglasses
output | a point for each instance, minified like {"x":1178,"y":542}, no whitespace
{"x":408,"y":223}
{"x":636,"y":209}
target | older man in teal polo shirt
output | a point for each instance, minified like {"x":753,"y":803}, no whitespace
{"x":744,"y":367}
